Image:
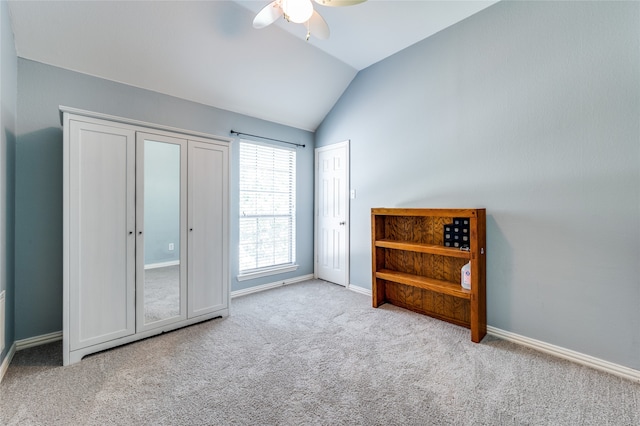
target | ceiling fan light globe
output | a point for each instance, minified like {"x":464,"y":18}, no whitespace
{"x":297,"y":11}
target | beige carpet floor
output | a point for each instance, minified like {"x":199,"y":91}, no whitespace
{"x":313,"y":353}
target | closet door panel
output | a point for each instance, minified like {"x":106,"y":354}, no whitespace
{"x":208,"y":228}
{"x":161,"y":221}
{"x":101,"y":240}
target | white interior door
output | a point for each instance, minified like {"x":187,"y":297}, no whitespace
{"x":332,"y":213}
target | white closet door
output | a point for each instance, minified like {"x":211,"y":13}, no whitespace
{"x":208,"y":228}
{"x":161,"y":222}
{"x":101,"y":233}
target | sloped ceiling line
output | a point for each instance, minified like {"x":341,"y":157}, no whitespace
{"x":208,"y":52}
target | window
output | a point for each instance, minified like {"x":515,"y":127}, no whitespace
{"x":267,"y":210}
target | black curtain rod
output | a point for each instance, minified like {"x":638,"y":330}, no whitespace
{"x":233,"y":132}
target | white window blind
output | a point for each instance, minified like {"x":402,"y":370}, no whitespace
{"x":267,"y":207}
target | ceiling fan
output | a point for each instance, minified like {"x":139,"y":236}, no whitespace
{"x":299,"y":12}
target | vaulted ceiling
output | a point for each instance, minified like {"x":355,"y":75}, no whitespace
{"x":208,"y":51}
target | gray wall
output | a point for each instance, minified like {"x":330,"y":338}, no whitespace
{"x":530,"y":109}
{"x":42,"y":89}
{"x":8,"y":95}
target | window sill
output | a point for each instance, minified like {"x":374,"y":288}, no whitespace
{"x":267,"y":272}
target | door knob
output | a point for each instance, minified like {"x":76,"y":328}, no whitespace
{"x":343,"y":223}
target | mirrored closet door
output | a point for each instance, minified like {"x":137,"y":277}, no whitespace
{"x":161,"y":222}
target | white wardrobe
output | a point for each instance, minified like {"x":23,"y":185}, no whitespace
{"x":146,"y":230}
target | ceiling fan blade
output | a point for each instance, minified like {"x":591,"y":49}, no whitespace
{"x":268,"y":15}
{"x":318,"y":26}
{"x":338,"y":3}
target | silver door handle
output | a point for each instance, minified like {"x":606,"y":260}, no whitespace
{"x":343,"y":223}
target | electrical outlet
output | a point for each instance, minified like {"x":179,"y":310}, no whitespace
{"x":171,"y":246}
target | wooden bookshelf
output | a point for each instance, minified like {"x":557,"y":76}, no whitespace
{"x":413,"y":269}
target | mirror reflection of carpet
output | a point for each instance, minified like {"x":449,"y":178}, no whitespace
{"x":161,"y":293}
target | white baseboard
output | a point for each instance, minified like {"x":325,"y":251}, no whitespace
{"x":162,"y":264}
{"x":577,"y":357}
{"x":269,"y":286}
{"x":38,"y":340}
{"x":361,"y":290}
{"x":6,"y":361}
